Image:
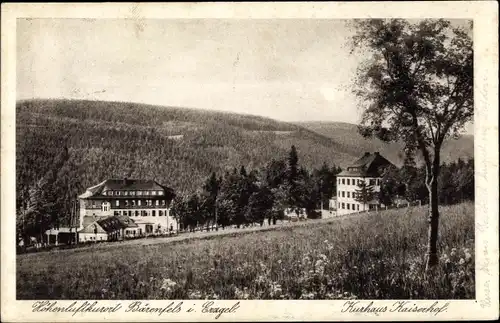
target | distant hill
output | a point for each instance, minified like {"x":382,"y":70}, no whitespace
{"x":178,"y":147}
{"x":347,"y":137}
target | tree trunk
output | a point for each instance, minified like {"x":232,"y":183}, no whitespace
{"x":433,"y":220}
{"x":432,"y":258}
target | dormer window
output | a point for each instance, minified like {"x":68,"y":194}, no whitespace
{"x":160,"y":192}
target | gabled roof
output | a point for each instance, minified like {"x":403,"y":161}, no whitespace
{"x":369,"y":165}
{"x":88,"y":219}
{"x":127,"y":185}
{"x":108,"y":224}
{"x":91,"y":228}
{"x":111,"y":224}
{"x":127,"y":221}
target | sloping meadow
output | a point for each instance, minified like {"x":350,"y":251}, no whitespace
{"x":369,"y":256}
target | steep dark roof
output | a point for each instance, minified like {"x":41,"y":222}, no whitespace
{"x":127,"y":221}
{"x":114,"y":223}
{"x":107,"y":224}
{"x":369,"y":165}
{"x":127,"y":185}
{"x":90,"y":228}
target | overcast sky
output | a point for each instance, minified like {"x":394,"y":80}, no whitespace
{"x":285,"y":69}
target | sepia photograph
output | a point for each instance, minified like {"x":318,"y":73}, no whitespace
{"x":159,"y":161}
{"x":176,"y":159}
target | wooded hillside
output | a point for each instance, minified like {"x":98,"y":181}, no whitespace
{"x":178,"y":147}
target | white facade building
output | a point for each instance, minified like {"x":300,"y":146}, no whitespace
{"x":366,"y":170}
{"x":146,"y":203}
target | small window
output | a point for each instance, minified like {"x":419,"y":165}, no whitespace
{"x":153,"y":213}
{"x":133,"y":202}
{"x":139,"y":192}
{"x":153,"y":193}
{"x":136,"y":213}
{"x":126,"y":202}
{"x":343,"y":193}
{"x":157,"y":202}
{"x":358,"y":207}
{"x":348,"y":206}
{"x":160,"y":213}
{"x":343,"y":206}
{"x":348,"y":181}
{"x":372,"y":182}
{"x":163,"y":202}
{"x":354,"y":207}
{"x":125,"y":192}
{"x":139,"y":202}
{"x":132,"y":193}
{"x":160,"y":192}
{"x":343,"y":180}
{"x":348,"y":194}
{"x":117,"y":203}
{"x":378,"y":182}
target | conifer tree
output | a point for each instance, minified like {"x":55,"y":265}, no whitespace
{"x":364,"y":193}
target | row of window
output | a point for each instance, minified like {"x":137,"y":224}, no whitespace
{"x":125,"y":193}
{"x":348,"y":206}
{"x":353,"y":181}
{"x":92,"y":238}
{"x":354,"y":207}
{"x":344,"y":193}
{"x":105,"y":205}
{"x":141,"y":213}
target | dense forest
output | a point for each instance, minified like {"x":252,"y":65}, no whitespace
{"x":242,"y":196}
{"x":65,"y":146}
{"x":252,"y":196}
{"x":351,"y":141}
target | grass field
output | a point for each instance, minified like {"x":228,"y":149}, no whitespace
{"x":371,"y":256}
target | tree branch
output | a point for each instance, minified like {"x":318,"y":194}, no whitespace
{"x":420,"y":140}
{"x":451,"y":121}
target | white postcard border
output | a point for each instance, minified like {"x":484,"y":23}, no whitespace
{"x":485,"y":16}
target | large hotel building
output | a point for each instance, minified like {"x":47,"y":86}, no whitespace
{"x":125,"y":207}
{"x":366,"y":169}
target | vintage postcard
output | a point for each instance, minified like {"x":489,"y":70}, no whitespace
{"x":249,"y":161}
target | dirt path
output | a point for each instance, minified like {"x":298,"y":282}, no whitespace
{"x":194,"y":235}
